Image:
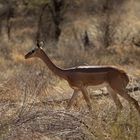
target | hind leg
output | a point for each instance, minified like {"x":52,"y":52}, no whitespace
{"x":125,"y":95}
{"x":118,"y":84}
{"x":115,"y":98}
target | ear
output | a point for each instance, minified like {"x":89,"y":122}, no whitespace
{"x":40,"y":44}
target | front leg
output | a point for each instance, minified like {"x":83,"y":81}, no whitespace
{"x":86,"y":97}
{"x":74,"y":96}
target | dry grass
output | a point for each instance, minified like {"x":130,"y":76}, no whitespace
{"x":33,"y":100}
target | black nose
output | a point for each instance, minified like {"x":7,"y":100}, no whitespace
{"x":28,"y":54}
{"x":25,"y":56}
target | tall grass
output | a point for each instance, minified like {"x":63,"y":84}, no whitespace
{"x":33,"y":100}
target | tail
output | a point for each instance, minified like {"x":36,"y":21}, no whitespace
{"x":125,"y":77}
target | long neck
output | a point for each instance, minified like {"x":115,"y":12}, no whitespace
{"x":51,"y":66}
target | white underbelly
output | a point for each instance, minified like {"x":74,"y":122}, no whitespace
{"x":97,"y":87}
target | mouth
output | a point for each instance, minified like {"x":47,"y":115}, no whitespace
{"x":26,"y":56}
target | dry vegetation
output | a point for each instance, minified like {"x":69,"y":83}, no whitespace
{"x":33,"y":100}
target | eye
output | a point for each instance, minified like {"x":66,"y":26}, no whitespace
{"x":33,"y":51}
